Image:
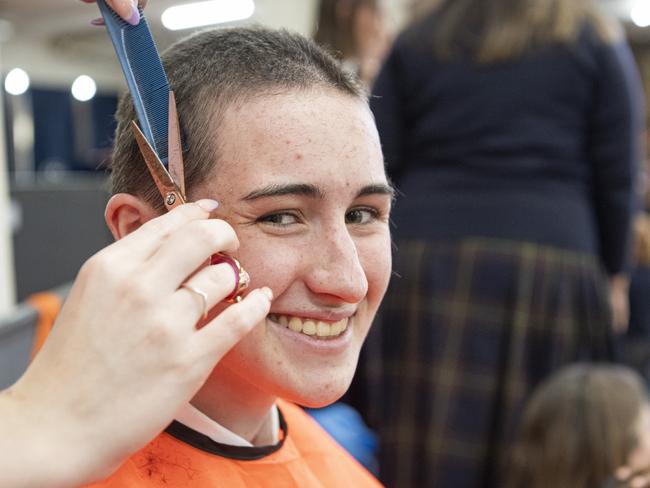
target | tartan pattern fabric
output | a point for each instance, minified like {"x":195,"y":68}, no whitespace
{"x":467,"y":329}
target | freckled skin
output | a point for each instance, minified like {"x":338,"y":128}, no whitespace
{"x":320,"y":263}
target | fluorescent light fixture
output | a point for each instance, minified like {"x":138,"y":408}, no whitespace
{"x":640,"y":13}
{"x":206,"y":13}
{"x":16,"y":82}
{"x":83,"y":88}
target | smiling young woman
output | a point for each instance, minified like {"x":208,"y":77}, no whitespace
{"x":285,"y":141}
{"x":301,"y":180}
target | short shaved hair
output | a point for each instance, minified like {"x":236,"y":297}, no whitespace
{"x":208,"y":72}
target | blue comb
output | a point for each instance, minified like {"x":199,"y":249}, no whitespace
{"x":145,"y":76}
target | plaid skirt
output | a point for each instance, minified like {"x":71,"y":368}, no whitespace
{"x":467,"y":329}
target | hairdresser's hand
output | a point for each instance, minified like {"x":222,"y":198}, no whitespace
{"x":126,"y":352}
{"x":127,"y":9}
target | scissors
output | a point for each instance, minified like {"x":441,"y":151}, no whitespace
{"x":171,"y":185}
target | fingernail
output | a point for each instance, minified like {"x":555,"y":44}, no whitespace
{"x":207,"y":204}
{"x":135,"y":14}
{"x":268,"y":292}
{"x":99,"y":21}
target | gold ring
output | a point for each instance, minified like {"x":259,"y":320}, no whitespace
{"x":203,"y":295}
{"x":242,"y":278}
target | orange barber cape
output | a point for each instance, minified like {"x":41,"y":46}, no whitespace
{"x":306,"y":456}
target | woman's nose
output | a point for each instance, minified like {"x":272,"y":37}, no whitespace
{"x":336,"y":268}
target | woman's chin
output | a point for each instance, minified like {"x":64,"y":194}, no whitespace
{"x":317,"y":397}
{"x":320,"y":403}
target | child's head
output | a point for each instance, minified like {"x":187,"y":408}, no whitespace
{"x":275,"y":131}
{"x":579,"y":426}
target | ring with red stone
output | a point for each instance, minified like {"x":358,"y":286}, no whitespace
{"x":242,"y":279}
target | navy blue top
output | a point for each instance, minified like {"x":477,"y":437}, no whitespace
{"x":542,"y":149}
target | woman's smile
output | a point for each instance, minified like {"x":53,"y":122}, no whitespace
{"x":318,"y":329}
{"x":313,"y":336}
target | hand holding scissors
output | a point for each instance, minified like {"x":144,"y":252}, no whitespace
{"x":171,"y":185}
{"x":125,"y":352}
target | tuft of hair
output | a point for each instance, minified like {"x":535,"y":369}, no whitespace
{"x":498,"y":31}
{"x":209,"y":71}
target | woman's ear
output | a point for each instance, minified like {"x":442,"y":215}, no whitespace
{"x":125,"y":213}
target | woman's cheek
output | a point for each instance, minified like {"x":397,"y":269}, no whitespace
{"x":269,"y":263}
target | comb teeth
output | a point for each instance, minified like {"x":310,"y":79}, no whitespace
{"x":145,"y":76}
{"x":151,"y":81}
{"x":114,"y":16}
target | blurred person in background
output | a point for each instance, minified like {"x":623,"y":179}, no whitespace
{"x":356,"y":33}
{"x":586,"y":426}
{"x":637,"y":337}
{"x":512,"y":128}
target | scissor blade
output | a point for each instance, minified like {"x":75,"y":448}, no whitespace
{"x":160,"y":176}
{"x":174,"y":149}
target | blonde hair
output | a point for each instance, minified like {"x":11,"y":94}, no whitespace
{"x":335,"y":29}
{"x":495,"y":31}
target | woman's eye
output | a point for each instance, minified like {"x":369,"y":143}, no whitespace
{"x":279,"y":219}
{"x":360,"y":216}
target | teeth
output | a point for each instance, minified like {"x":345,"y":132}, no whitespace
{"x":337,"y":327}
{"x":311,"y":327}
{"x":323,"y":329}
{"x":295,"y":324}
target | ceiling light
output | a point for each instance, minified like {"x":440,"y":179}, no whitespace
{"x":640,"y":13}
{"x":16,"y":82}
{"x":83,"y":88}
{"x":206,"y":13}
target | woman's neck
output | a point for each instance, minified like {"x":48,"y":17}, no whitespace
{"x":236,"y":405}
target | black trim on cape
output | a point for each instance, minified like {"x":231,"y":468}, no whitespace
{"x":241,"y":453}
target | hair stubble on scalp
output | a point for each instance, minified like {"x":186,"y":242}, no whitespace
{"x":209,"y":72}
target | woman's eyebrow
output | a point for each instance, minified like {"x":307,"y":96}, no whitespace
{"x":303,"y":189}
{"x":378,"y":188}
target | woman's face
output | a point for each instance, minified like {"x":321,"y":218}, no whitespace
{"x":301,"y":179}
